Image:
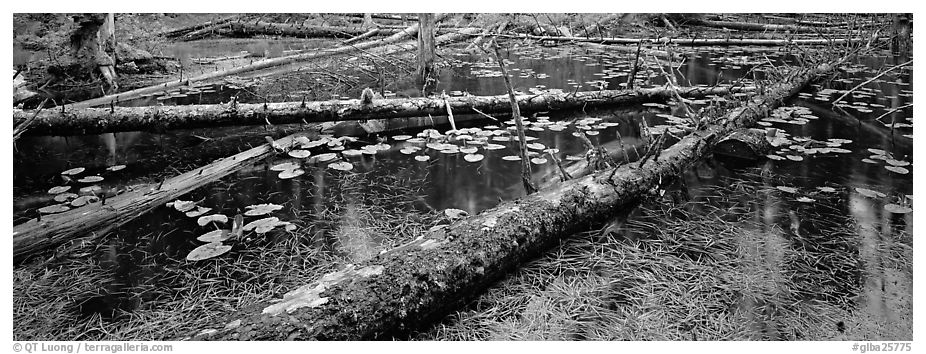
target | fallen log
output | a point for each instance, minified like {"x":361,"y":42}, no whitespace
{"x":247,"y":29}
{"x":409,"y":287}
{"x":159,"y":118}
{"x":748,"y":144}
{"x":95,"y":220}
{"x":187,"y":29}
{"x":696,"y":42}
{"x":748,"y":26}
{"x":263,"y":64}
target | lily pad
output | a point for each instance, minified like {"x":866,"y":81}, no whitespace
{"x":538,"y":160}
{"x":774,"y":157}
{"x":83,"y":200}
{"x":899,"y":163}
{"x":200,"y":210}
{"x":219,"y":218}
{"x":469,"y":150}
{"x":262,"y":225}
{"x":870,"y":193}
{"x":805,"y":200}
{"x":73,"y":171}
{"x":897,"y":169}
{"x":341,"y":166}
{"x":90,"y":189}
{"x":473,"y":157}
{"x":209,"y":250}
{"x":63,"y":197}
{"x":794,"y":158}
{"x":866,"y":160}
{"x":299,"y":154}
{"x":59,"y":189}
{"x":184,"y":205}
{"x":90,"y":179}
{"x":897,"y":209}
{"x":52,"y":209}
{"x":422,"y":158}
{"x":536,"y":146}
{"x":826,"y":189}
{"x":284,"y":166}
{"x":326,"y":157}
{"x":261,"y":209}
{"x":291,"y":173}
{"x":511,"y":158}
{"x":115,"y":168}
{"x":401,"y":137}
{"x":215,"y":236}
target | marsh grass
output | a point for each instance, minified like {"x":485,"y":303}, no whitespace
{"x":714,"y":268}
{"x":169,"y":298}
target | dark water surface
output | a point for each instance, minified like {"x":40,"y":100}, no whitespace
{"x":328,"y":201}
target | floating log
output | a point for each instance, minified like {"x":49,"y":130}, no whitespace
{"x":159,"y":118}
{"x":696,"y":42}
{"x":96,"y":220}
{"x":247,"y":29}
{"x":184,"y":30}
{"x":263,"y":64}
{"x":748,"y":26}
{"x":409,"y":287}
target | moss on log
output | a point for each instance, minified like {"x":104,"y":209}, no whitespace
{"x":158,"y":118}
{"x":413,"y":285}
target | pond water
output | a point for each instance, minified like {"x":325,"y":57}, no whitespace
{"x":341,"y":210}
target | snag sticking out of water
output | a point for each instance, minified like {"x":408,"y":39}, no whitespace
{"x":209,"y":250}
{"x":261,"y":209}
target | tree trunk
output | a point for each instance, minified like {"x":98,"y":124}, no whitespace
{"x":696,"y":42}
{"x":184,"y":30}
{"x":409,"y":287}
{"x":91,"y":44}
{"x":158,"y":118}
{"x":426,"y":75}
{"x":249,"y":29}
{"x":747,"y":26}
{"x":128,"y":95}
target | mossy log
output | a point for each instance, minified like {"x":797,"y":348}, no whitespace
{"x":409,"y":287}
{"x":248,"y":29}
{"x":187,"y":29}
{"x":157,"y":118}
{"x":749,"y":26}
{"x":700,"y":42}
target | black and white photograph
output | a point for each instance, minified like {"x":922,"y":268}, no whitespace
{"x":182,"y":177}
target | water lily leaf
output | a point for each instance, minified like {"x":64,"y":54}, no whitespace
{"x":261,"y":209}
{"x":401,"y":137}
{"x":59,"y":189}
{"x":63,"y":197}
{"x":90,"y":179}
{"x":805,"y":200}
{"x":536,"y":146}
{"x":870,"y":193}
{"x":897,"y":169}
{"x":82,"y":200}
{"x":115,"y":168}
{"x":289,"y":226}
{"x":826,"y":189}
{"x":284,"y":166}
{"x":511,"y":158}
{"x":469,"y":150}
{"x":215,"y":236}
{"x":408,"y":150}
{"x":473,"y":157}
{"x":494,"y":146}
{"x":341,"y":166}
{"x":455,"y":213}
{"x":200,"y":210}
{"x":73,"y":171}
{"x":897,"y":209}
{"x":869,"y":161}
{"x":326,"y":157}
{"x":787,"y":189}
{"x":538,"y":160}
{"x":219,"y":218}
{"x":877,"y":151}
{"x":794,"y":158}
{"x":52,"y":209}
{"x":90,"y":189}
{"x":291,"y":173}
{"x":209,"y":250}
{"x":897,"y":162}
{"x":183,"y":205}
{"x":592,"y":132}
{"x":422,"y":158}
{"x":774,"y":157}
{"x":299,"y":154}
{"x":273,"y":220}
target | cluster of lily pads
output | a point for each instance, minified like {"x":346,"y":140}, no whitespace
{"x":900,"y":205}
{"x":890,"y":163}
{"x":214,"y":239}
{"x":86,"y":190}
{"x":795,"y":148}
